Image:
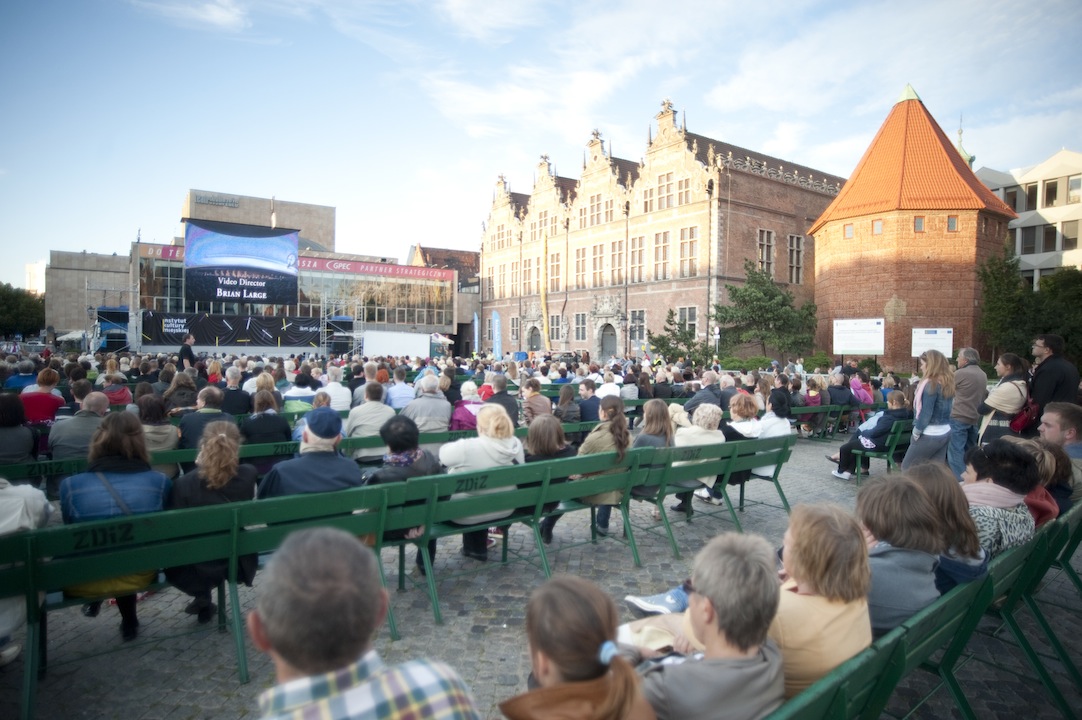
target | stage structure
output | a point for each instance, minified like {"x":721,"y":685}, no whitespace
{"x":247,"y":289}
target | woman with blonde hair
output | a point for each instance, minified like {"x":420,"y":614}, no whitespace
{"x":215,"y":376}
{"x":494,"y":446}
{"x":932,"y":403}
{"x":822,"y":618}
{"x":703,"y":430}
{"x":571,"y":629}
{"x":218,"y":477}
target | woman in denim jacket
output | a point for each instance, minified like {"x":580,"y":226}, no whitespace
{"x":932,"y":403}
{"x":119,"y":481}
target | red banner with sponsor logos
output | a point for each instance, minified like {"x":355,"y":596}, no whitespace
{"x":176,"y":252}
{"x":369,"y":268}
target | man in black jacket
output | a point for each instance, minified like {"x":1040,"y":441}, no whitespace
{"x":1054,"y":378}
{"x":710,"y":393}
{"x":501,"y":397}
{"x":404,"y":460}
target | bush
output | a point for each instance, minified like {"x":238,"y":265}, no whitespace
{"x":870,"y":365}
{"x":730,"y":362}
{"x":818,"y":360}
{"x":757,"y":362}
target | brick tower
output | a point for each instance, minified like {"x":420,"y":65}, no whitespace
{"x":904,"y":237}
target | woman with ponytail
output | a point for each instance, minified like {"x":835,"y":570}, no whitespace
{"x":218,"y":478}
{"x":571,"y":628}
{"x":611,"y":434}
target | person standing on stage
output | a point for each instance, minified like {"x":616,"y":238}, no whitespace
{"x":186,"y":356}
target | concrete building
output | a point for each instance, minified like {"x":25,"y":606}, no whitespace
{"x":316,"y":222}
{"x":590,"y":264}
{"x":1048,"y":200}
{"x":80,"y":282}
{"x":903,"y":239}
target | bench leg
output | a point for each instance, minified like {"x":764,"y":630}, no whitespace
{"x":668,"y":526}
{"x":431,"y":581}
{"x":536,"y":527}
{"x":32,"y":667}
{"x":401,"y":568}
{"x":1064,"y":657}
{"x":391,"y":624}
{"x":1035,"y":662}
{"x":630,"y":534}
{"x":729,"y":505}
{"x":238,"y":628}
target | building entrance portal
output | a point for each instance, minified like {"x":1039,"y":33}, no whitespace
{"x":534,"y":341}
{"x":608,"y":342}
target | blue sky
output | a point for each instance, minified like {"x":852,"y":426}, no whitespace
{"x":402,"y":113}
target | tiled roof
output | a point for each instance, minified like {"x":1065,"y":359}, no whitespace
{"x":467,"y":262}
{"x":568,"y":188}
{"x":625,"y":168}
{"x":911,"y":165}
{"x":702,"y":154}
{"x":519,"y":200}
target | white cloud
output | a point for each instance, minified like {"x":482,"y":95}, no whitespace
{"x":222,"y":15}
{"x":490,"y":21}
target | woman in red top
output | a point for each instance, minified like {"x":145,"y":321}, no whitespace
{"x":41,"y":406}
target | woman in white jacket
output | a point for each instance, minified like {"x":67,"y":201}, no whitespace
{"x":494,"y":446}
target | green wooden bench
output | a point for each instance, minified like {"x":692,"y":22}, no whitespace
{"x":747,"y":456}
{"x":848,"y":689}
{"x":823,"y":420}
{"x":675,"y":471}
{"x":1015,"y":575}
{"x":947,"y":625}
{"x":1062,"y":562}
{"x":901,"y":433}
{"x":429,"y":502}
{"x":50,"y":559}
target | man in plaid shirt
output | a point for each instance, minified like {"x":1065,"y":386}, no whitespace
{"x":321,"y":607}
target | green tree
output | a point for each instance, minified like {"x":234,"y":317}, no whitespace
{"x":676,"y":341}
{"x":762,"y":312}
{"x":20,"y":311}
{"x":1007,"y":306}
{"x":1057,"y":310}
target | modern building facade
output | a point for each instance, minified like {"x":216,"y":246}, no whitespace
{"x":903,"y":239}
{"x":590,"y":264}
{"x":1048,"y":200}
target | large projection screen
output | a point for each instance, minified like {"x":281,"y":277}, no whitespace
{"x":859,"y":336}
{"x":239,"y":263}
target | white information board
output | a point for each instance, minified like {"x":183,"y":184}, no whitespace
{"x":941,"y":339}
{"x":859,"y":336}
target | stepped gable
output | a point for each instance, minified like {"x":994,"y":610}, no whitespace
{"x":911,"y":165}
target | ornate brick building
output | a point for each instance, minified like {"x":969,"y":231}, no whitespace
{"x":591,"y":264}
{"x":904,"y":237}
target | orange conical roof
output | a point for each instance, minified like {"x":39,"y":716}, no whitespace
{"x":911,"y":165}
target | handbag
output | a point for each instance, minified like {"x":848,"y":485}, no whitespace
{"x":1027,"y":417}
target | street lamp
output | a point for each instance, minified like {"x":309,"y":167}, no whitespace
{"x":717,"y":339}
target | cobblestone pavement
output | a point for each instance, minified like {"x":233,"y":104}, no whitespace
{"x":177,"y":670}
